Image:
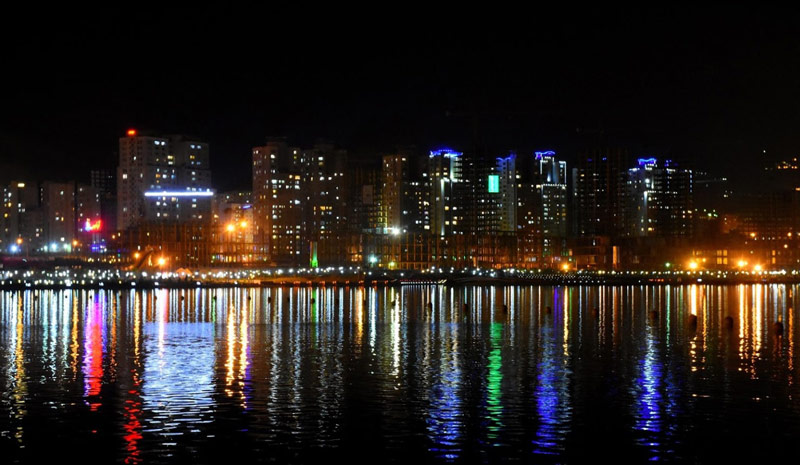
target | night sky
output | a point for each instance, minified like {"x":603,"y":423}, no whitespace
{"x":712,"y":87}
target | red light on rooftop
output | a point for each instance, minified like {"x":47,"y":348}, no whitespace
{"x":131,"y":132}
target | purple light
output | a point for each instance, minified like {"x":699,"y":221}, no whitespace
{"x":510,"y":156}
{"x":546,"y":153}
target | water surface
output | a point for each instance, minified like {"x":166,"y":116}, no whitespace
{"x":431,"y":374}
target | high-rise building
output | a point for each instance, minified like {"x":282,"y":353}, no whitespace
{"x":278,"y":202}
{"x":325,"y":203}
{"x":658,"y":200}
{"x":58,"y":206}
{"x":90,"y":227}
{"x":104,"y":181}
{"x":551,"y":187}
{"x":598,"y":198}
{"x":234,"y":227}
{"x":19,"y":200}
{"x":301,"y":203}
{"x":444,"y":175}
{"x":505,"y":184}
{"x":162,"y":178}
{"x":394,"y":179}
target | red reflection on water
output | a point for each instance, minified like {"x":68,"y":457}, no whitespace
{"x":132,"y":426}
{"x":93,"y":355}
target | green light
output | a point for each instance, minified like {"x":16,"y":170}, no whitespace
{"x":494,"y":183}
{"x":314,"y":263}
{"x":494,"y":381}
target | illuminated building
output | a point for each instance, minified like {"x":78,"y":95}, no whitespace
{"x":301,"y":203}
{"x":58,"y":207}
{"x":90,"y":227}
{"x":87,"y":204}
{"x":325,"y":205}
{"x":551,"y":187}
{"x":233,"y":229}
{"x":444,"y":174}
{"x":20,"y":200}
{"x":477,"y":197}
{"x":505,"y":184}
{"x":394,"y":176}
{"x":598,"y":193}
{"x":169,"y":164}
{"x":104,"y":181}
{"x":365,"y":199}
{"x":180,"y":244}
{"x":659,"y":200}
{"x":278,"y":203}
{"x":404,"y":194}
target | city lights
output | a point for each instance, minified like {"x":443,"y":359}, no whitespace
{"x":90,"y":226}
{"x":205,"y":193}
{"x":693,"y":265}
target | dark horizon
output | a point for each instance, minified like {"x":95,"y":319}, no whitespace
{"x":712,"y":87}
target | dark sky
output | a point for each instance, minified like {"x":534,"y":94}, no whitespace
{"x":713,"y":87}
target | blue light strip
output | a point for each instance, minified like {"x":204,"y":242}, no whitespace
{"x":207,"y":193}
{"x":445,"y":152}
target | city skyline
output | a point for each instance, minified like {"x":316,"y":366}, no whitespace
{"x":317,"y":206}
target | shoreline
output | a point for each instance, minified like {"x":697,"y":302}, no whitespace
{"x":396,"y":280}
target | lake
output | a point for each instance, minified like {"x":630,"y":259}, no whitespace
{"x":434,"y":374}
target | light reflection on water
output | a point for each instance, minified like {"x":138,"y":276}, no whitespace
{"x":457,"y":374}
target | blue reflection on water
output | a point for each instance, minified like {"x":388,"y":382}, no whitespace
{"x":445,"y":424}
{"x":178,"y":374}
{"x":552,"y":396}
{"x":655,"y":400}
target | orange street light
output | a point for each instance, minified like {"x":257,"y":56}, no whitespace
{"x":693,"y":265}
{"x":19,"y":241}
{"x":162,"y":261}
{"x":230,"y":227}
